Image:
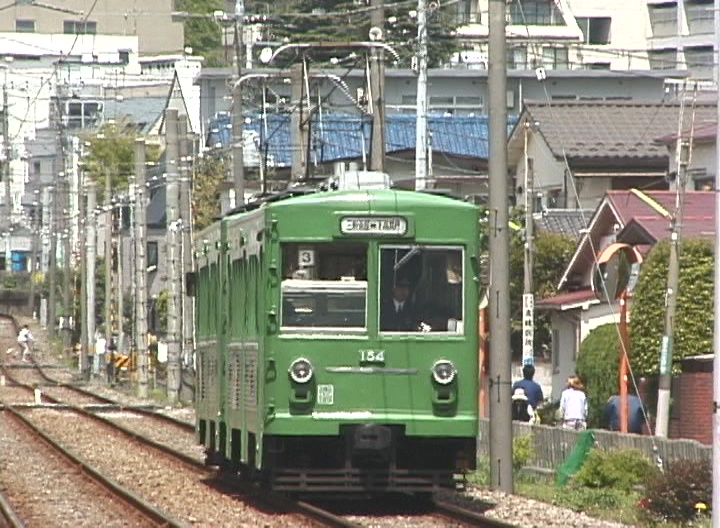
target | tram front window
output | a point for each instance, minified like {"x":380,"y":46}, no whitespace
{"x":324,"y":287}
{"x":421,"y":289}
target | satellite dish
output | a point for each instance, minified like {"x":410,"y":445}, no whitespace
{"x":266,"y":55}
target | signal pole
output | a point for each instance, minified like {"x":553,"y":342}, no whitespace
{"x":501,"y":471}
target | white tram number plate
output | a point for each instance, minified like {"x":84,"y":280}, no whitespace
{"x":373,"y":225}
{"x":372,"y":356}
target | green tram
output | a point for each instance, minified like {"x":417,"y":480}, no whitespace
{"x":307,"y":377}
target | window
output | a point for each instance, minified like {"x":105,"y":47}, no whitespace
{"x":596,"y":30}
{"x":124,"y":56}
{"x":83,"y":114}
{"x":421,"y":289}
{"x":324,"y":287}
{"x":79,"y":27}
{"x":663,"y":20}
{"x":555,"y":58}
{"x":151,"y":252}
{"x":534,"y":13}
{"x":517,"y":58}
{"x":25,"y":26}
{"x":663,"y":59}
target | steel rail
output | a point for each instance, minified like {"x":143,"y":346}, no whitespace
{"x":468,"y":516}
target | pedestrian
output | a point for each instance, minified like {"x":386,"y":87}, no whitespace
{"x":522,"y":410}
{"x":636,"y":414}
{"x":532,"y":388}
{"x":573,"y":405}
{"x":25,"y":339}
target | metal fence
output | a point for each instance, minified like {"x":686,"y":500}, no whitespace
{"x":552,"y":444}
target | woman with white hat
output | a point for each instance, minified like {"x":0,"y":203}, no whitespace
{"x":573,"y":405}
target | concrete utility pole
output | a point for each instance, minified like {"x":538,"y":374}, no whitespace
{"x":673,"y":282}
{"x":6,"y":173}
{"x":90,"y":258}
{"x":300,"y":122}
{"x":173,"y":255}
{"x":237,"y":122}
{"x":109,"y":322}
{"x":377,"y":87}
{"x":421,"y":137}
{"x":528,"y":305}
{"x":186,"y":147}
{"x":501,"y":471}
{"x":716,"y":297}
{"x":141,"y":294}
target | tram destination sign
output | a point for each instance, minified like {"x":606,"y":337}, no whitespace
{"x":373,"y":225}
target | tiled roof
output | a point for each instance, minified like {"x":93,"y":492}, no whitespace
{"x":610,"y":130}
{"x":339,"y":137}
{"x":142,"y":111}
{"x":569,"y":222}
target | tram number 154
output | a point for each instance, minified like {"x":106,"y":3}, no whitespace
{"x":372,"y":356}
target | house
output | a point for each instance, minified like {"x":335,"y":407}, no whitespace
{"x":458,"y":151}
{"x":622,"y":216}
{"x":578,"y":150}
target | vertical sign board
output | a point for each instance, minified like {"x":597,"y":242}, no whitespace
{"x":528,"y":328}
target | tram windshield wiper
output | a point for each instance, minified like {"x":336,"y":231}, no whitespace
{"x":410,"y":254}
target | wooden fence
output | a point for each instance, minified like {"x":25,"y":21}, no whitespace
{"x":553,"y":444}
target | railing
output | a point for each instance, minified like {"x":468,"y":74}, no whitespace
{"x":553,"y":444}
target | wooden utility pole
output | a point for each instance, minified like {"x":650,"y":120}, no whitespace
{"x":6,"y":173}
{"x":173,"y":255}
{"x":684,"y":146}
{"x":300,"y":123}
{"x":140,"y":269}
{"x":501,"y":455}
{"x":377,"y":87}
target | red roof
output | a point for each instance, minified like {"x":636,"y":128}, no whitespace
{"x":567,"y":300}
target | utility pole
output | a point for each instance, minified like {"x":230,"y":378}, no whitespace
{"x":300,"y":122}
{"x":421,"y":137}
{"x":673,"y":282}
{"x":90,"y":258}
{"x":237,"y":122}
{"x":173,"y":255}
{"x":109,"y":322}
{"x":186,"y":262}
{"x":501,"y":471}
{"x":377,"y":87}
{"x":6,"y":173}
{"x":528,"y":305}
{"x":141,"y":295}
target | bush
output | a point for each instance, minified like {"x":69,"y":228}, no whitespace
{"x":597,"y":365}
{"x":620,"y":469}
{"x":523,"y":451}
{"x":672,"y":496}
{"x":586,"y":500}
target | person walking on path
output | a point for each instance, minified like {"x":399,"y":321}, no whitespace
{"x":573,"y":405}
{"x":25,"y":340}
{"x":532,"y":388}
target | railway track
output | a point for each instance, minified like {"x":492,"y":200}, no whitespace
{"x":152,"y":432}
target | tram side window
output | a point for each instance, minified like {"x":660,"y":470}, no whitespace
{"x":421,"y":289}
{"x":324,"y":286}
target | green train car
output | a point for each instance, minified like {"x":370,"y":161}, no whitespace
{"x":310,"y":375}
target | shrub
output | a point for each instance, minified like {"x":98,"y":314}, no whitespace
{"x":621,"y":469}
{"x":671,"y":496}
{"x":597,"y":365}
{"x":523,"y":451}
{"x":582,"y":499}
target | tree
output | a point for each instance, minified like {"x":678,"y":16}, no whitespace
{"x":347,"y":20}
{"x":110,"y":154}
{"x":693,"y":324}
{"x":552,"y":253}
{"x":208,"y":179}
{"x":203,"y":35}
{"x":598,"y":365}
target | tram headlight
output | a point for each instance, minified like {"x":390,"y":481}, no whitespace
{"x":301,"y":370}
{"x":444,"y":372}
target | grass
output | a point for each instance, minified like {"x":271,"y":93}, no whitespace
{"x":600,"y":503}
